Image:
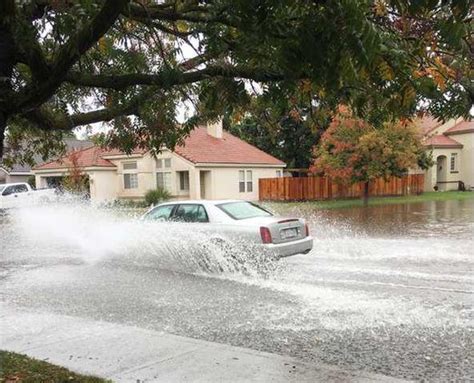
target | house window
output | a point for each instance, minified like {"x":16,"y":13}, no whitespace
{"x":130,"y":165}
{"x":183,"y":181}
{"x":454,"y":162}
{"x":241,"y":181}
{"x":245,"y":181}
{"x":278,"y":173}
{"x":249,"y":181}
{"x":130,"y":176}
{"x":130,"y":180}
{"x":163,"y":175}
{"x":163,"y":163}
{"x":163,"y":180}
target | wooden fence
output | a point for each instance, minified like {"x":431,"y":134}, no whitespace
{"x":321,"y":188}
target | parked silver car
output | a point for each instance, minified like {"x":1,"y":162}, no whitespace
{"x":231,"y":220}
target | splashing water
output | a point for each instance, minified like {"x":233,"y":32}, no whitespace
{"x":384,"y":287}
{"x":343,"y":273}
{"x":83,"y":232}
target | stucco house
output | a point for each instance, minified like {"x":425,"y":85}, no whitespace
{"x":452,"y":147}
{"x":211,"y":164}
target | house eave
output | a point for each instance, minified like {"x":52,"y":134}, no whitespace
{"x":455,"y":133}
{"x":460,"y":146}
{"x":16,"y":173}
{"x":237,"y":165}
{"x":122,"y":156}
{"x":66,"y":169}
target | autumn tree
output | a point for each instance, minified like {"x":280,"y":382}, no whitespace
{"x":352,"y":150}
{"x":75,"y":181}
{"x":133,"y":64}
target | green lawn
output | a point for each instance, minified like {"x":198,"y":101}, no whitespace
{"x":17,"y":368}
{"x":348,"y":203}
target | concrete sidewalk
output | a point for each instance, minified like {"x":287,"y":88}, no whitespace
{"x":131,"y":354}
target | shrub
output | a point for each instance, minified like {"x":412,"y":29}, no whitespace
{"x":153,"y":197}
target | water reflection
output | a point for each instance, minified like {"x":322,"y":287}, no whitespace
{"x":453,"y":218}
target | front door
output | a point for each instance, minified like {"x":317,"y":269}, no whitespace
{"x":205,"y":181}
{"x":441,"y":171}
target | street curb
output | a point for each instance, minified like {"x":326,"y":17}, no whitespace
{"x":130,"y":354}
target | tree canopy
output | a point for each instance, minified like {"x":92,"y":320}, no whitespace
{"x":352,"y":150}
{"x":289,"y":139}
{"x":135,"y":63}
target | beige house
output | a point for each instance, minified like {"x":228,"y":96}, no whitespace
{"x":452,"y":147}
{"x":211,"y":164}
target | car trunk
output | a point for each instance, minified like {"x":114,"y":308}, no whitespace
{"x":282,"y":229}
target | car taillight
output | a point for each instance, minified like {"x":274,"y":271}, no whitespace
{"x":306,"y":229}
{"x":266,"y":235}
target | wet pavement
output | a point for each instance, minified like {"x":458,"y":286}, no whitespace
{"x":387,"y":289}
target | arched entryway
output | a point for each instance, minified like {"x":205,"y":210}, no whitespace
{"x":441,"y":172}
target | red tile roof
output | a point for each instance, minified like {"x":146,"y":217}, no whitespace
{"x":462,"y":127}
{"x":428,"y":123}
{"x":86,"y":158}
{"x":200,"y":147}
{"x":442,"y":141}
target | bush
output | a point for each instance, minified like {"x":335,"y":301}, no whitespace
{"x":153,"y":197}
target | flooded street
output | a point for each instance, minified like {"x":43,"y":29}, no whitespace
{"x":387,"y":289}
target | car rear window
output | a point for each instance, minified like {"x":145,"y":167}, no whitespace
{"x":243,"y":210}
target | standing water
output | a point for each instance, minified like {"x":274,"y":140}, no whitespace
{"x":387,"y":289}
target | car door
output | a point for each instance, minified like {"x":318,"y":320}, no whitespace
{"x":21,"y":193}
{"x":10,"y":196}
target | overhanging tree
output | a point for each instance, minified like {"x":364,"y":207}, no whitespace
{"x":65,"y":63}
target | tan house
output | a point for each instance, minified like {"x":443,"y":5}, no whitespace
{"x":452,"y":147}
{"x":211,"y":164}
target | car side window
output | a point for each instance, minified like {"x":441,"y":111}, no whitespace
{"x":160,"y":213}
{"x":190,"y":213}
{"x":21,"y":189}
{"x":9,"y":190}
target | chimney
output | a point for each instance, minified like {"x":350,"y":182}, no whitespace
{"x":215,"y":129}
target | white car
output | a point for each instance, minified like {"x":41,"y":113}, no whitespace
{"x":21,"y":194}
{"x":239,"y":220}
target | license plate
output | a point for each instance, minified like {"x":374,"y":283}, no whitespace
{"x":289,"y":233}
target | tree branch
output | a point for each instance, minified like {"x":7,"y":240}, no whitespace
{"x":171,"y":78}
{"x":47,"y":120}
{"x":196,"y":14}
{"x":77,"y":45}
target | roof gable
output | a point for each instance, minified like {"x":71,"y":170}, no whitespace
{"x":441,"y":141}
{"x":86,"y":158}
{"x":461,"y":128}
{"x":200,"y":147}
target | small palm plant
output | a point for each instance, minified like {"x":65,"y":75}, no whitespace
{"x":153,"y":197}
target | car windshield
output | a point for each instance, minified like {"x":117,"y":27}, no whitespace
{"x":243,"y":210}
{"x":1,"y":188}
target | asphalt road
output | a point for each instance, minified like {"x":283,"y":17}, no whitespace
{"x":387,"y":290}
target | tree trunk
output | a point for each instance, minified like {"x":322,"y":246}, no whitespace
{"x":3,"y":126}
{"x":365,"y":195}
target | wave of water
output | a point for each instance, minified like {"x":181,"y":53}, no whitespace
{"x":79,"y":231}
